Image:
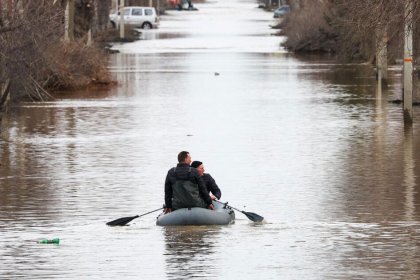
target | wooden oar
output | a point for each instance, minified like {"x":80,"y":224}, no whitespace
{"x":125,"y":220}
{"x":252,"y":216}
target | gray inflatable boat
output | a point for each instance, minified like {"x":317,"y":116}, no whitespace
{"x":222,"y":215}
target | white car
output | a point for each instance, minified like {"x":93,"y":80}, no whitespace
{"x":142,"y":17}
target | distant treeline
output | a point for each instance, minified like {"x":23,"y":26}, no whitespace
{"x":352,"y":29}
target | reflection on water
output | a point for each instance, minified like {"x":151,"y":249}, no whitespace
{"x":409,"y":176}
{"x":312,"y":145}
{"x":189,"y":250}
{"x":316,"y":149}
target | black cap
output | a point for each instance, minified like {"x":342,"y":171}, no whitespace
{"x":196,"y":163}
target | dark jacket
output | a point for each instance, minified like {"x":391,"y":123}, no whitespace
{"x":184,"y":172}
{"x":211,"y":185}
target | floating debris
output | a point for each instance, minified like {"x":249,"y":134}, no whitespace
{"x":49,"y":241}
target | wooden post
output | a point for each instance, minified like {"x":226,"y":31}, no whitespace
{"x":69,"y":21}
{"x":408,"y":62}
{"x":150,"y":3}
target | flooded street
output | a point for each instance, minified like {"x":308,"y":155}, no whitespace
{"x":306,"y":142}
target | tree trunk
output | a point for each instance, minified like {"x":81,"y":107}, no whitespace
{"x":69,"y":21}
{"x":101,"y":15}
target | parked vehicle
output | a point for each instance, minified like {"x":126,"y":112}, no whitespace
{"x":182,"y":5}
{"x":141,"y":17}
{"x":281,"y":11}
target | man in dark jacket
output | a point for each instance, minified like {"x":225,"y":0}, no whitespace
{"x":208,"y":180}
{"x":184,"y":187}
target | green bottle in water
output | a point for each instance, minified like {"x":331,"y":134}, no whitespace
{"x":50,"y":241}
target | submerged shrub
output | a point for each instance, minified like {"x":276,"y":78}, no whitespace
{"x":74,"y":65}
{"x":33,"y":56}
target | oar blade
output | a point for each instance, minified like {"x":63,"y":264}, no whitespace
{"x":121,"y":221}
{"x":253,"y":217}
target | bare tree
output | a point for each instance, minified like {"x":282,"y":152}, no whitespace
{"x":349,"y":28}
{"x":33,"y":56}
{"x":27,"y":28}
{"x":102,"y":9}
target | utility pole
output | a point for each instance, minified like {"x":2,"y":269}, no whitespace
{"x":69,"y":21}
{"x":408,"y":62}
{"x":121,"y":9}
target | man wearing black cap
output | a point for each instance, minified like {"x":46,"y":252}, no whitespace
{"x":208,"y":180}
{"x":184,"y":187}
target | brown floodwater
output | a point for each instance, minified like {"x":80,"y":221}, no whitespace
{"x":310,"y":144}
